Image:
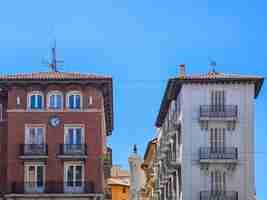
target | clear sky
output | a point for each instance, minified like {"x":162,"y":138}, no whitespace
{"x":141,"y":43}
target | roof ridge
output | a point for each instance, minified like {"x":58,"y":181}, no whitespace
{"x":50,"y":75}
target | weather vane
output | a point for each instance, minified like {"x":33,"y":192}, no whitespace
{"x":135,"y":149}
{"x":54,"y":63}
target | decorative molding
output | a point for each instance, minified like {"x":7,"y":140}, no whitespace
{"x":55,"y":111}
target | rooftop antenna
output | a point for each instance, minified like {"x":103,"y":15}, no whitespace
{"x":213,"y":64}
{"x":54,"y":63}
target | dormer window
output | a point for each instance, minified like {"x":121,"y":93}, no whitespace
{"x":35,"y":100}
{"x":74,"y":100}
{"x":55,"y":100}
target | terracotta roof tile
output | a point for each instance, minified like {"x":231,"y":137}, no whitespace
{"x":124,"y":181}
{"x":217,"y":75}
{"x":52,"y":76}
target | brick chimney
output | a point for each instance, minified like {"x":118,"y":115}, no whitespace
{"x":182,"y":71}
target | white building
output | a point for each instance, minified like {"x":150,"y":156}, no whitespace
{"x":137,"y":175}
{"x":206,"y":137}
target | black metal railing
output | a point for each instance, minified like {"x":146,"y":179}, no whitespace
{"x":72,"y":149}
{"x":33,"y":149}
{"x":219,"y":111}
{"x":218,"y":153}
{"x":218,"y":195}
{"x":52,"y":187}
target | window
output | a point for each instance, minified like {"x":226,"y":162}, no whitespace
{"x":218,"y":181}
{"x":55,"y":100}
{"x":123,"y":190}
{"x":217,"y":138}
{"x":34,"y":177}
{"x":74,"y":139}
{"x":35,"y":100}
{"x":34,"y":135}
{"x":73,"y":177}
{"x":34,"y":140}
{"x":218,"y":100}
{"x":74,"y":100}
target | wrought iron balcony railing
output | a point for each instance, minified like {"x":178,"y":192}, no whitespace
{"x":218,"y":111}
{"x":218,"y":153}
{"x":218,"y":195}
{"x":72,"y":149}
{"x":33,"y":149}
{"x":81,"y":187}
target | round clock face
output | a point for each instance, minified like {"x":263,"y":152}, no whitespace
{"x":54,"y":121}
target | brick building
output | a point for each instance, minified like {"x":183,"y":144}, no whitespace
{"x":53,"y":130}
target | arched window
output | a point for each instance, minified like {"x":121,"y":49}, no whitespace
{"x":55,"y":100}
{"x":35,"y":100}
{"x":74,"y":100}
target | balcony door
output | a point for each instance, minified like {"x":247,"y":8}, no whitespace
{"x":218,"y":101}
{"x":218,"y":182}
{"x":74,"y":178}
{"x":34,"y":178}
{"x":74,"y":140}
{"x":34,"y":140}
{"x":217,"y":139}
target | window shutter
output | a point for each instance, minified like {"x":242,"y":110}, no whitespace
{"x":39,"y":101}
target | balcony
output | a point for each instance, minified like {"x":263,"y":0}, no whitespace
{"x":33,"y":151}
{"x":218,"y":195}
{"x":217,"y":154}
{"x":52,"y":187}
{"x":72,"y":151}
{"x":218,"y":112}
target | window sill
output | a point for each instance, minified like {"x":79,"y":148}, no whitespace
{"x":74,"y":110}
{"x":35,"y":110}
{"x":55,"y":109}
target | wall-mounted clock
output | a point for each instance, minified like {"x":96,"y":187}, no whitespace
{"x":55,"y":121}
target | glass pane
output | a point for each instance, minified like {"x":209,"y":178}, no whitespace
{"x":40,"y":136}
{"x":70,"y":176}
{"x":70,"y":137}
{"x":32,"y":138}
{"x":78,"y":101}
{"x":58,"y":101}
{"x":78,"y":136}
{"x":78,"y":175}
{"x":40,"y":176}
{"x":39,"y":101}
{"x":33,"y":101}
{"x":71,"y":101}
{"x":31,"y":174}
{"x":52,"y":101}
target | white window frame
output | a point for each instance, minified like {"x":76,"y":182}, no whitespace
{"x":35,"y":164}
{"x":65,"y":178}
{"x":29,"y":100}
{"x":74,"y":93}
{"x":68,"y":126}
{"x":55,"y":92}
{"x":27,"y":129}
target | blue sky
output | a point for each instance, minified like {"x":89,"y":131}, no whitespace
{"x":141,"y":43}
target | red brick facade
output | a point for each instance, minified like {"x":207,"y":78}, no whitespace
{"x":16,"y":116}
